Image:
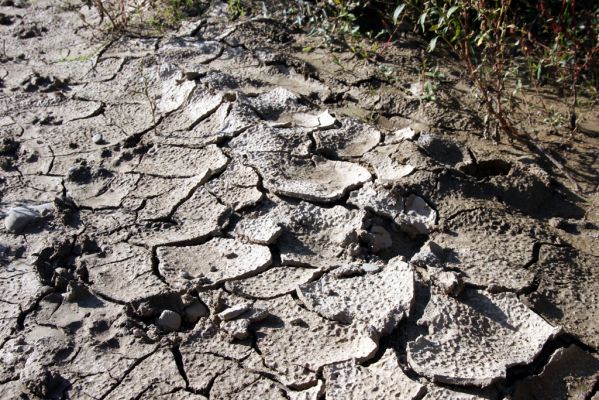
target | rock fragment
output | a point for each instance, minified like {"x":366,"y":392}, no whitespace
{"x":475,"y":340}
{"x":169,"y":321}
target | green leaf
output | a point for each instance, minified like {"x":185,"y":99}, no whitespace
{"x":398,"y":12}
{"x":432,"y":44}
{"x":452,"y":10}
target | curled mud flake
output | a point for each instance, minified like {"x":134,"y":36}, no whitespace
{"x":218,"y":260}
{"x":271,"y":283}
{"x":475,"y":340}
{"x":441,"y":393}
{"x":418,"y":218}
{"x":568,"y":291}
{"x":317,"y":179}
{"x":172,"y":161}
{"x":571,"y":373}
{"x":352,"y":139}
{"x":320,"y":237}
{"x":296,"y":351}
{"x":391,"y":163}
{"x":323,"y":120}
{"x":198,"y":218}
{"x":227,"y":121}
{"x":383,"y":379}
{"x":237,"y":186}
{"x":491,"y":252}
{"x":380,"y":308}
{"x":124,"y":273}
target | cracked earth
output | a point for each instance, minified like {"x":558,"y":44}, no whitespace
{"x":199,"y":216}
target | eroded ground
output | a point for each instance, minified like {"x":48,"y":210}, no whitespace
{"x":207,"y":215}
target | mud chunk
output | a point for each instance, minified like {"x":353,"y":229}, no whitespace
{"x":418,"y":217}
{"x":429,"y":255}
{"x":450,"y":282}
{"x":169,"y":321}
{"x":187,"y":222}
{"x":474,"y":341}
{"x":567,"y":293}
{"x":391,"y":163}
{"x":571,"y":373}
{"x":383,"y":379}
{"x":39,"y":379}
{"x":388,"y":300}
{"x":18,"y":218}
{"x":148,"y":379}
{"x":219,"y":260}
{"x":378,"y":199}
{"x":123,"y":272}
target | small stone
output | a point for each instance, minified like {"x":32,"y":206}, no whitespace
{"x":18,"y":218}
{"x":371,"y":268}
{"x":195,"y":311}
{"x":238,"y":329}
{"x":450,"y":282}
{"x":97,"y":138}
{"x":234,"y":312}
{"x":169,"y":321}
{"x":380,"y":239}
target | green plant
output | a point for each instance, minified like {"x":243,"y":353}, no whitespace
{"x":236,"y":9}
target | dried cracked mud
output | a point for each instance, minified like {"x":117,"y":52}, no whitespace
{"x":195,"y":216}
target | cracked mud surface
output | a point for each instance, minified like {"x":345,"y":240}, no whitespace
{"x":202,"y":217}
